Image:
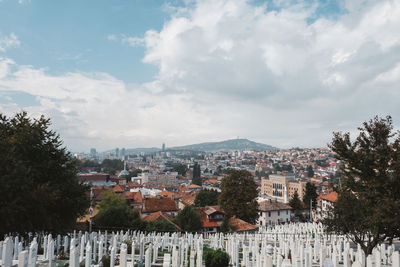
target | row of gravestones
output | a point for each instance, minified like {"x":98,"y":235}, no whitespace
{"x":307,"y":244}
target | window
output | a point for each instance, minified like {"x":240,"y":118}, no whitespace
{"x":269,"y":214}
{"x":279,"y":213}
{"x":287,"y":212}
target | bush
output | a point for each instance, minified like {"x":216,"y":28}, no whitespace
{"x":106,"y":261}
{"x":215,"y":258}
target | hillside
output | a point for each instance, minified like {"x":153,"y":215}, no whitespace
{"x":233,"y":144}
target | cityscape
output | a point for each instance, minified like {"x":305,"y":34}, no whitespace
{"x":200,"y":133}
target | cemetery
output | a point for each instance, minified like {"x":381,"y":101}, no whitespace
{"x":289,"y":245}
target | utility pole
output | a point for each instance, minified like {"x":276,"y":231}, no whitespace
{"x":311,"y":210}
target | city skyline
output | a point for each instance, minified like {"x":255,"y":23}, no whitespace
{"x":140,"y":73}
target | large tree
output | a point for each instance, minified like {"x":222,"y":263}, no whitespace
{"x":310,"y":195}
{"x":188,"y":220}
{"x":114,"y":211}
{"x":310,"y":171}
{"x":197,"y":174}
{"x":206,"y":198}
{"x":238,"y":195}
{"x":39,"y":189}
{"x":368,"y":205}
{"x":296,"y":204}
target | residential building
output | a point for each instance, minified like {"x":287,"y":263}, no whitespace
{"x":166,"y":205}
{"x":212,"y":217}
{"x":324,"y":203}
{"x":273,"y":212}
{"x":282,"y":186}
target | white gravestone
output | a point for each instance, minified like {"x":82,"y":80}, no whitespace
{"x":33,"y":249}
{"x":7,"y":255}
{"x":23,"y":259}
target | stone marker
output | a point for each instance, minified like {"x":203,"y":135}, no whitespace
{"x":32,"y":254}
{"x":7,"y":256}
{"x":396,"y":259}
{"x":88,"y":255}
{"x":167,"y":260}
{"x":23,"y":259}
{"x":123,"y":256}
{"x":356,"y":264}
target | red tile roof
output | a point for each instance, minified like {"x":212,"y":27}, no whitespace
{"x":331,"y":197}
{"x":135,"y":197}
{"x":159,"y":204}
{"x":188,"y":199}
{"x":118,"y":189}
{"x":240,"y":225}
{"x":159,"y":215}
{"x":172,"y":195}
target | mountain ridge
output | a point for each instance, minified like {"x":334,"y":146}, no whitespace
{"x":226,"y":145}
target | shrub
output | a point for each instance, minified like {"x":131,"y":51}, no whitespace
{"x":215,"y":258}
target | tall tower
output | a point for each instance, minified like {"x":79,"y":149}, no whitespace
{"x":285,"y":195}
{"x":163,"y":147}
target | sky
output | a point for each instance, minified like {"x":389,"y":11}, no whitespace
{"x":140,"y":73}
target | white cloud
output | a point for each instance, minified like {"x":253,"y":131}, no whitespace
{"x":131,"y":41}
{"x":8,"y":41}
{"x":227,"y":69}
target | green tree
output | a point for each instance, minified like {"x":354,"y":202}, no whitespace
{"x":112,"y":165}
{"x":135,"y":173}
{"x":197,"y":174}
{"x":238,"y":195}
{"x":368,"y":205}
{"x":160,"y":226}
{"x":114,"y":211}
{"x":295,"y":203}
{"x":226,"y":225}
{"x":310,"y":171}
{"x":310,"y":194}
{"x":188,"y":220}
{"x":215,"y":258}
{"x":206,"y":198}
{"x":180,"y":169}
{"x":39,"y":190}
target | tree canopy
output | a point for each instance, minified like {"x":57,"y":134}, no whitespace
{"x":310,"y":194}
{"x":295,"y":203}
{"x":238,"y":195}
{"x":206,"y":198}
{"x":368,"y":205}
{"x":180,"y":169}
{"x":215,"y":257}
{"x":188,"y":220}
{"x":39,"y":190}
{"x":114,"y":211}
{"x":310,"y":171}
{"x":160,"y":226}
{"x":197,"y":175}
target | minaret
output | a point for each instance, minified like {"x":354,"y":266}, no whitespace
{"x":285,"y":195}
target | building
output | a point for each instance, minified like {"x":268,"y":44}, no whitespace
{"x":282,"y":187}
{"x":273,"y":212}
{"x":212,"y":217}
{"x":163,"y":178}
{"x":93,"y":152}
{"x":95,"y":179}
{"x":135,"y":199}
{"x":324,"y":203}
{"x":165,"y":205}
